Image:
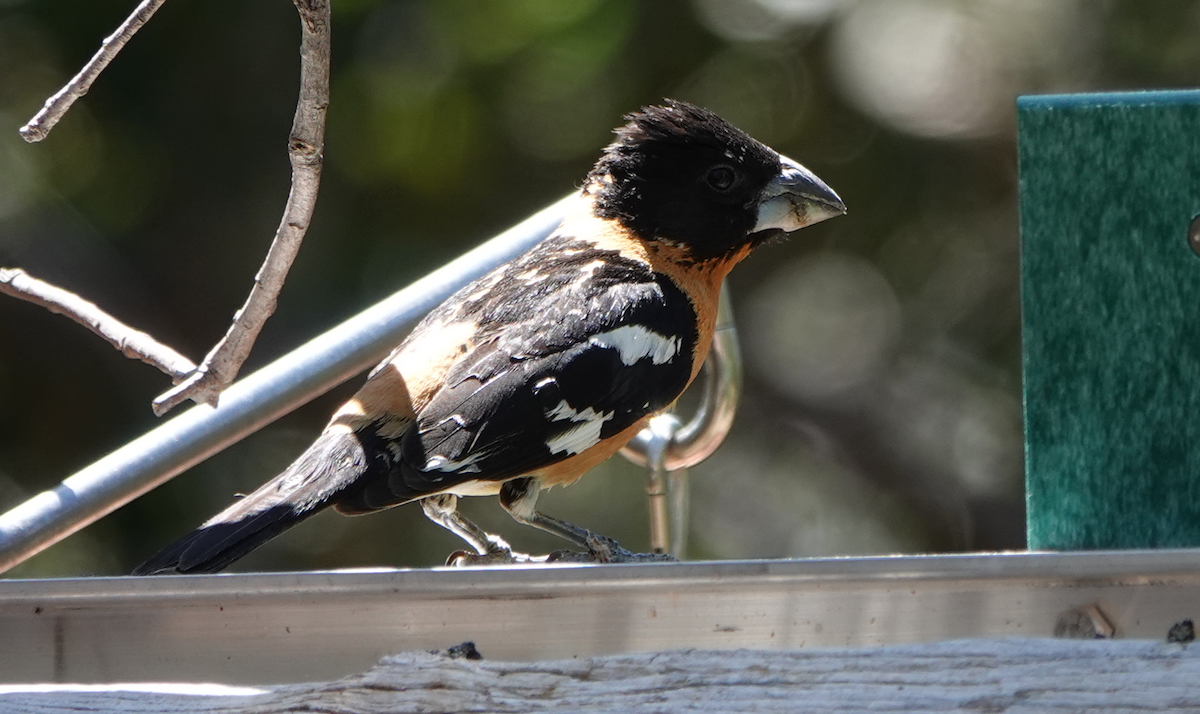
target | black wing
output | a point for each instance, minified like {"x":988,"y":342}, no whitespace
{"x":577,"y":344}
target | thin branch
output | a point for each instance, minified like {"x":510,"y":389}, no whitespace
{"x":56,"y":106}
{"x":305,"y":149}
{"x":132,"y":343}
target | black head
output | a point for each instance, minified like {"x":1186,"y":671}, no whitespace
{"x":680,"y":174}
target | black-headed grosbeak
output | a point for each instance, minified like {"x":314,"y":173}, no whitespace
{"x":535,"y":373}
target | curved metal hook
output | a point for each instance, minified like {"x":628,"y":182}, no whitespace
{"x":667,"y":446}
{"x":697,"y":439}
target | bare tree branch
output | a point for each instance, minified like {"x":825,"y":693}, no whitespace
{"x":305,"y":149}
{"x":56,"y":106}
{"x":132,"y":343}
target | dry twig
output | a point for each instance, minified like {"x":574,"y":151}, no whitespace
{"x":132,"y":343}
{"x":56,"y":106}
{"x":305,"y":149}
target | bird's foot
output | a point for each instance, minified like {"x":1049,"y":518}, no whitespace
{"x":602,"y":549}
{"x":499,"y":552}
{"x":462,"y":558}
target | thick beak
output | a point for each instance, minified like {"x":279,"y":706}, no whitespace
{"x":794,"y":199}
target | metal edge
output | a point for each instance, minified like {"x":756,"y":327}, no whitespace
{"x":1052,"y":569}
{"x":1156,"y":97}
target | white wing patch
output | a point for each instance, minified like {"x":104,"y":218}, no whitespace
{"x":581,"y":437}
{"x":577,"y":439}
{"x":635,"y":342}
{"x":441,"y":463}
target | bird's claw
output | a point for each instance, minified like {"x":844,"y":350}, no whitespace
{"x":602,"y":549}
{"x":498,"y":553}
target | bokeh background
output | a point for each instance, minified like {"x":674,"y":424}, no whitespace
{"x":882,"y":407}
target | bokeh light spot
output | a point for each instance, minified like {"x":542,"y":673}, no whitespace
{"x":823,"y":326}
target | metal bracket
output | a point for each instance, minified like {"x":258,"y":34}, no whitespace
{"x":668,"y":447}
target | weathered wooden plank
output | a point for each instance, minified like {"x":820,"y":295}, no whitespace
{"x":1019,"y":675}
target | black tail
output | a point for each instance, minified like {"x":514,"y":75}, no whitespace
{"x":334,"y":462}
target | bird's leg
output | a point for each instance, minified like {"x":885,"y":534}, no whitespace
{"x":442,"y":509}
{"x":519,"y":498}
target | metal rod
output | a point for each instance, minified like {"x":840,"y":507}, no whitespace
{"x":253,"y":402}
{"x":667,"y":447}
{"x":659,"y":433}
{"x":679,"y":506}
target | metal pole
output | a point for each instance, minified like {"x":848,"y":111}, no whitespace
{"x":253,"y":402}
{"x":656,"y":437}
{"x":667,"y":447}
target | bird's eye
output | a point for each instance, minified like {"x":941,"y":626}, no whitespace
{"x":721,"y":178}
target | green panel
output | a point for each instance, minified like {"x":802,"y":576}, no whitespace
{"x":1111,"y":311}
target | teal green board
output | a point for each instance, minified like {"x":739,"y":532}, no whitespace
{"x":1110,"y":293}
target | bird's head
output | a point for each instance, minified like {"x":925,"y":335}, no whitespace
{"x":682,"y":175}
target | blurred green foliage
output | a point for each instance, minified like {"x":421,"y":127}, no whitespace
{"x":883,"y":405}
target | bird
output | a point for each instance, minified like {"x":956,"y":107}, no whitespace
{"x":546,"y":366}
